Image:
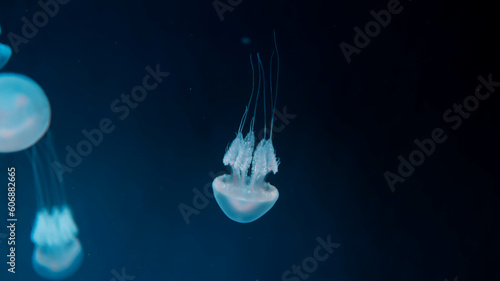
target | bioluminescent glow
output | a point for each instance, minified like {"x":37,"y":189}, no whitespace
{"x":25,"y":116}
{"x":24,"y":112}
{"x":5,"y":53}
{"x":58,"y":253}
{"x":245,"y":196}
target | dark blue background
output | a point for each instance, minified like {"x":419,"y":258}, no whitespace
{"x":352,"y":121}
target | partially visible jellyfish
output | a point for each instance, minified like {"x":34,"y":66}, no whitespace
{"x":58,"y":252}
{"x":24,"y":112}
{"x":245,"y":196}
{"x":24,"y":119}
{"x":5,"y":53}
{"x":24,"y":109}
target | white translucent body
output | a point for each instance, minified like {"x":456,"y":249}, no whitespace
{"x":24,"y":112}
{"x":241,"y":202}
{"x":58,"y":253}
{"x":243,"y":196}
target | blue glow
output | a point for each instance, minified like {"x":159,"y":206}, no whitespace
{"x":245,"y":196}
{"x":239,"y":202}
{"x":5,"y":53}
{"x":25,"y":116}
{"x":245,"y":40}
{"x":58,"y":253}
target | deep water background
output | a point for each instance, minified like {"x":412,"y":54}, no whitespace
{"x":351,"y":123}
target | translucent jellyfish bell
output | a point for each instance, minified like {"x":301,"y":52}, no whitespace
{"x":239,"y":202}
{"x":24,"y":112}
{"x":245,"y":196}
{"x":58,"y":252}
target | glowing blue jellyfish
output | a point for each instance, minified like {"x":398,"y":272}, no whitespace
{"x":24,"y":109}
{"x":24,"y":119}
{"x":58,"y":253}
{"x":244,"y":196}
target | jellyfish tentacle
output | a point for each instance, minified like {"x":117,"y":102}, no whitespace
{"x":271,"y":81}
{"x":51,"y":191}
{"x":261,"y":68}
{"x":277,"y":79}
{"x":244,"y":118}
{"x":54,"y":177}
{"x":273,"y":161}
{"x":238,"y":145}
{"x":40,"y":200}
{"x":252,"y":122}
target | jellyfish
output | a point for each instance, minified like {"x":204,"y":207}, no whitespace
{"x":5,"y":53}
{"x":244,"y":196}
{"x":24,"y":109}
{"x":58,"y":252}
{"x":25,"y":117}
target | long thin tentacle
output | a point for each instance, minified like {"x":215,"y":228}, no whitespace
{"x":263,"y":93}
{"x":252,"y":123}
{"x":40,"y":200}
{"x":271,"y":78}
{"x":244,"y":118}
{"x":277,"y":78}
{"x":54,"y":179}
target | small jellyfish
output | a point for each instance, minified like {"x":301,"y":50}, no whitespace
{"x":5,"y":53}
{"x":24,"y":112}
{"x":245,"y":196}
{"x":58,"y":252}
